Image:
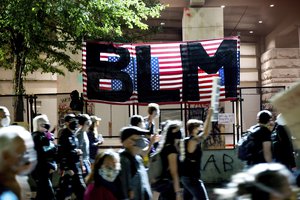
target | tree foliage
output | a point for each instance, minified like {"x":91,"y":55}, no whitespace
{"x":37,"y":34}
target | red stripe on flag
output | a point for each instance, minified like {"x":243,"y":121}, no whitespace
{"x":170,"y":68}
{"x":105,"y":84}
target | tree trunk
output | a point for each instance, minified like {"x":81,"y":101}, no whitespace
{"x":19,"y":90}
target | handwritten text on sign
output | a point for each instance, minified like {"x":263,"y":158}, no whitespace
{"x":226,"y":118}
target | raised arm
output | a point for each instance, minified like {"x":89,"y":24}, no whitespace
{"x":207,"y":125}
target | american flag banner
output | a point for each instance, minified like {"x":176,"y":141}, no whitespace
{"x":166,"y":70}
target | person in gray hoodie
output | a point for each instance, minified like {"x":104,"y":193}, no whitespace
{"x":133,"y":177}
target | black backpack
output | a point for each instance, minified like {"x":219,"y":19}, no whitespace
{"x":247,"y":145}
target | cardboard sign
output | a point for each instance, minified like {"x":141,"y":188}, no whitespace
{"x":288,"y":104}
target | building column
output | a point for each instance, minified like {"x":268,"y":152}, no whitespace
{"x":200,"y":23}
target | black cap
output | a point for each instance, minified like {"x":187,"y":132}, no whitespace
{"x":68,"y":117}
{"x":126,"y":132}
{"x":82,"y":118}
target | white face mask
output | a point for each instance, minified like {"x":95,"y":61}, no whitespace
{"x":27,"y":163}
{"x":108,"y":174}
{"x":5,"y":121}
{"x":141,"y":143}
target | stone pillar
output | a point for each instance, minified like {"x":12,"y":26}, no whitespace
{"x":299,"y":36}
{"x":280,"y":67}
{"x":202,"y":23}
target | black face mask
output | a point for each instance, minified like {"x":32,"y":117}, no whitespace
{"x":178,"y":135}
{"x":73,"y":125}
{"x":46,"y":126}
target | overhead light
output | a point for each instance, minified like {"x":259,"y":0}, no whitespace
{"x":250,"y":32}
{"x":272,"y":5}
{"x":260,"y":21}
{"x":223,"y":6}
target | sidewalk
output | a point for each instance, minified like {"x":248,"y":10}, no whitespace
{"x":209,"y":187}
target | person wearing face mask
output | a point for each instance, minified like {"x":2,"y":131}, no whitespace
{"x":4,"y":117}
{"x":69,"y":154}
{"x":134,"y":183}
{"x":137,"y":120}
{"x":67,"y":119}
{"x":17,"y":157}
{"x":85,"y":122}
{"x":102,"y":182}
{"x":170,"y":152}
{"x":46,"y":155}
{"x":190,"y":173}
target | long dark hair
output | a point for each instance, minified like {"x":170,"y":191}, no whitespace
{"x":92,"y":126}
{"x":93,"y":176}
{"x":167,"y":136}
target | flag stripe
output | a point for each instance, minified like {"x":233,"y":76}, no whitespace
{"x":167,"y":68}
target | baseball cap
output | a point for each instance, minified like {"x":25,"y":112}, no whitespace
{"x":126,"y":132}
{"x":94,"y":118}
{"x":68,"y":117}
{"x":82,"y":118}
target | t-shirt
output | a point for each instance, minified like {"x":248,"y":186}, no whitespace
{"x":165,"y":152}
{"x":192,"y":162}
{"x":261,"y":135}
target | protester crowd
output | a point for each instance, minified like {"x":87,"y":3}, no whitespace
{"x":87,"y":173}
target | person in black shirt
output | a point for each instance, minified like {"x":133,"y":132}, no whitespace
{"x":190,"y":173}
{"x":169,"y":151}
{"x":46,"y":155}
{"x":283,"y":150}
{"x":70,"y":163}
{"x":262,"y":136}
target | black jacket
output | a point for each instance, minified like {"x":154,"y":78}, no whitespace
{"x":46,"y":152}
{"x":68,"y":144}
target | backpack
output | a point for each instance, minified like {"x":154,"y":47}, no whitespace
{"x":158,"y":181}
{"x":155,"y":169}
{"x":247,"y":146}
